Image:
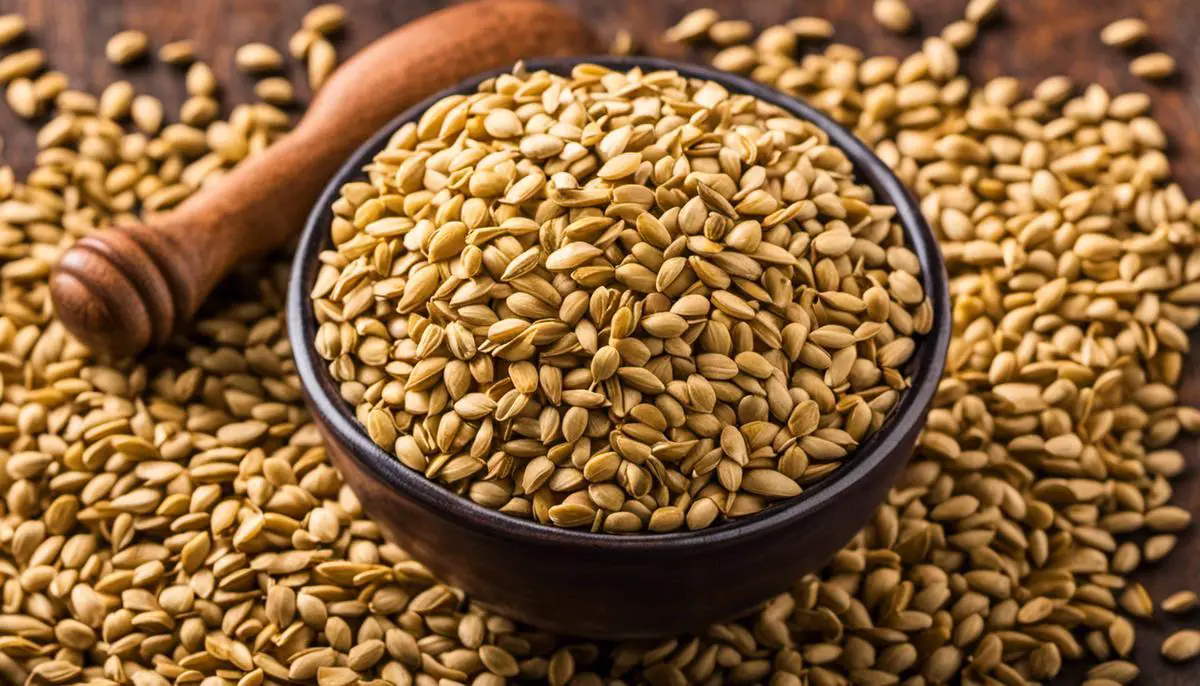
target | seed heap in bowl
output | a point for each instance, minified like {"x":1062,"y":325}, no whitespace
{"x":618,"y":301}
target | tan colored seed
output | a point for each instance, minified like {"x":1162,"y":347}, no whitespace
{"x":1182,"y":646}
{"x":893,"y":15}
{"x":321,"y":61}
{"x":22,"y":98}
{"x":18,"y":64}
{"x":623,"y":43}
{"x":693,"y":25}
{"x":200,"y":80}
{"x":178,"y":52}
{"x":256,"y":58}
{"x":980,"y":11}
{"x":275,"y":90}
{"x":1156,"y":65}
{"x":730,"y":32}
{"x":12,"y":27}
{"x":300,"y":42}
{"x":1179,"y":602}
{"x":324,"y":19}
{"x":1123,"y":33}
{"x":811,"y":28}
{"x":126,"y":46}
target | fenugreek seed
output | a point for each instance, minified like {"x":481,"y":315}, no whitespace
{"x":116,"y":100}
{"x":126,"y":46}
{"x":693,"y":25}
{"x":256,"y":58}
{"x":1123,"y":33}
{"x":200,"y":80}
{"x":960,"y":34}
{"x":1182,"y":646}
{"x":322,"y":59}
{"x":49,"y":85}
{"x":147,"y":113}
{"x":23,"y":63}
{"x":979,"y":11}
{"x":1156,"y":65}
{"x":275,"y":90}
{"x":178,"y":52}
{"x":893,"y":15}
{"x":730,"y":32}
{"x":21,"y":98}
{"x":199,"y":110}
{"x":12,"y":27}
{"x":622,"y":43}
{"x":1136,"y":600}
{"x":737,"y":58}
{"x":300,"y":42}
{"x":769,"y":483}
{"x":811,"y":28}
{"x":1168,"y":518}
{"x":324,"y":19}
{"x":1121,"y":635}
{"x":1179,"y":602}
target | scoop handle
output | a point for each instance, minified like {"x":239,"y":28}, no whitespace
{"x":123,"y":289}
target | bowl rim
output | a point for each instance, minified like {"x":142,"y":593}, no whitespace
{"x":928,"y":360}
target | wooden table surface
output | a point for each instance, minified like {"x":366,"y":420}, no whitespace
{"x":1034,"y":39}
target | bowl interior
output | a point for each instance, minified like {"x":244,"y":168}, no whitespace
{"x":925,"y":367}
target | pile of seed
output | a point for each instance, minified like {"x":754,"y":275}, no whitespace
{"x":618,"y":301}
{"x":175,"y":519}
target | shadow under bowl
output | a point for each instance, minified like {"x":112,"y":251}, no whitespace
{"x":603,"y":585}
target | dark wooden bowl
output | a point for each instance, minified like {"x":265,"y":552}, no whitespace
{"x":603,"y":585}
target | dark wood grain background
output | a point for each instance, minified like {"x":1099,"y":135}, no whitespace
{"x":1032,"y":40}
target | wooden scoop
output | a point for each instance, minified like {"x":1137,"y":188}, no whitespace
{"x":126,"y":288}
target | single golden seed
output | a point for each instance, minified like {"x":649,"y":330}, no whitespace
{"x":180,"y":52}
{"x":1123,"y":33}
{"x":126,"y":46}
{"x":324,"y":19}
{"x":893,"y":15}
{"x":1154,"y":66}
{"x":256,"y":58}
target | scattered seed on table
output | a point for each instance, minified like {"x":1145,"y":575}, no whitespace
{"x":180,"y":52}
{"x":200,"y":80}
{"x":1154,"y":66}
{"x":811,"y":28}
{"x":18,"y":64}
{"x":893,"y":15}
{"x":126,"y":46}
{"x":1123,"y":33}
{"x":1182,"y":646}
{"x":300,"y":42}
{"x":21,"y":98}
{"x":256,"y":58}
{"x":324,"y":19}
{"x":322,"y":59}
{"x":730,"y":32}
{"x":1179,"y":602}
{"x":693,"y":25}
{"x":12,"y":26}
{"x":276,"y":90}
{"x":622,"y":43}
